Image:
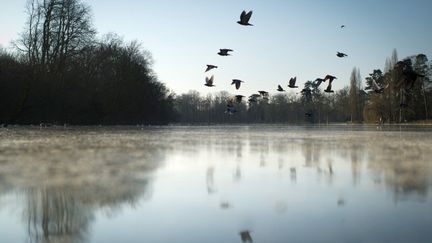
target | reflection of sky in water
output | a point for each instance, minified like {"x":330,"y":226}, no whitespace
{"x":220,"y":184}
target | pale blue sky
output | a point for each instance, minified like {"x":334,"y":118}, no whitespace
{"x":290,"y":38}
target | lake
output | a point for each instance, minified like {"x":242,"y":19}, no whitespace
{"x":216,"y":184}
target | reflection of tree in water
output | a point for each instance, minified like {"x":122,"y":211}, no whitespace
{"x":402,"y":164}
{"x":404,"y":167}
{"x":66,"y":182}
{"x":312,"y":152}
{"x":56,"y":216}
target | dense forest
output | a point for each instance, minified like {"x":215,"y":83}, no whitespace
{"x":59,"y":72}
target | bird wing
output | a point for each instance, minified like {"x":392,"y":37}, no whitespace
{"x":291,"y":82}
{"x":248,"y":16}
{"x":210,"y":81}
{"x":243,"y":16}
{"x":280,"y":87}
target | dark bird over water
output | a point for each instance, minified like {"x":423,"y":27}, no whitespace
{"x":244,"y":18}
{"x":209,"y":81}
{"x":341,"y":54}
{"x":224,"y":52}
{"x":280,"y":89}
{"x":330,"y":78}
{"x":237,"y":83}
{"x":210,"y":67}
{"x":343,"y":26}
{"x":292,"y":83}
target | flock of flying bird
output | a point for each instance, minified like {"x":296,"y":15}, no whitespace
{"x":209,"y":81}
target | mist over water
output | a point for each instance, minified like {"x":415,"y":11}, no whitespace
{"x":216,"y":184}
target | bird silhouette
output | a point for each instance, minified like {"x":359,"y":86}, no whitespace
{"x":237,"y":83}
{"x":210,"y":67}
{"x":224,"y":52}
{"x":308,"y":114}
{"x":239,"y":98}
{"x":254,"y":98}
{"x":330,"y":78}
{"x":407,"y":75}
{"x":244,"y":18}
{"x":292,"y":83}
{"x":246,"y":236}
{"x":209,"y":81}
{"x":378,"y":89}
{"x":343,"y":26}
{"x":318,"y":82}
{"x":341,"y":54}
{"x":263,"y":93}
{"x":280,"y":89}
{"x":329,"y":88}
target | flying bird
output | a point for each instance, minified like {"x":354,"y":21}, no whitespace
{"x":292,"y":83}
{"x":341,"y":54}
{"x":378,"y":89}
{"x":330,"y":78}
{"x":210,"y":67}
{"x":343,"y":26}
{"x":244,"y":18}
{"x":318,"y":82}
{"x":239,"y":98}
{"x":280,"y":89}
{"x":329,"y":88}
{"x":407,"y":75}
{"x":224,"y":52}
{"x":252,"y":100}
{"x":209,"y":81}
{"x":246,"y":236}
{"x":237,"y":83}
{"x":263,"y":93}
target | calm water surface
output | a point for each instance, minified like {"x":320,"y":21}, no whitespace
{"x":216,"y":184}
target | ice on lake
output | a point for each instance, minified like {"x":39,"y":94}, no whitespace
{"x":216,"y":184}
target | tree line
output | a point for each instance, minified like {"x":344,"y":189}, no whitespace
{"x":61,"y":73}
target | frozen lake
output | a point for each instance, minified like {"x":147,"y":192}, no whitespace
{"x":216,"y":184}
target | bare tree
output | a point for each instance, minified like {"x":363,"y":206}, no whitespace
{"x":56,"y":31}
